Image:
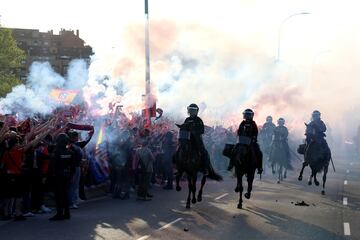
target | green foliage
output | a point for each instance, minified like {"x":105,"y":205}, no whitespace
{"x":10,"y":61}
{"x":7,"y":82}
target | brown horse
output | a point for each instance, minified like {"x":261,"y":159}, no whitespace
{"x":188,"y":160}
{"x":242,"y":157}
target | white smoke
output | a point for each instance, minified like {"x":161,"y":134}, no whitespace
{"x":34,"y":97}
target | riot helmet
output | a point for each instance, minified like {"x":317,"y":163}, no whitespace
{"x":62,"y":140}
{"x":316,"y":115}
{"x":193,"y":110}
{"x":281,"y":121}
{"x":248,"y":114}
{"x":269,"y":119}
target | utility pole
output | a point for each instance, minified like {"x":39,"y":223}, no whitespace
{"x":150,"y":104}
{"x":147,"y":50}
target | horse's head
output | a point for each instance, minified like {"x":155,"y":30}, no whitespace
{"x":185,"y":152}
{"x":184,"y":136}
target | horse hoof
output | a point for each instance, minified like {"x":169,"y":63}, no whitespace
{"x":187,"y":206}
{"x":300,"y":178}
{"x":316,"y":183}
{"x":239,"y":206}
{"x":323,"y":192}
{"x":178,"y":188}
{"x":237,"y":189}
{"x":199,"y":198}
{"x":193,"y":200}
{"x":247,"y":195}
{"x":278,"y":181}
{"x":309,"y":183}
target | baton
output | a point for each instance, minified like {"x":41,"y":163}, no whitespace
{"x":332,"y":163}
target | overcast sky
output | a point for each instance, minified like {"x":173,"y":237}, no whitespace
{"x":321,"y":50}
{"x":101,"y":23}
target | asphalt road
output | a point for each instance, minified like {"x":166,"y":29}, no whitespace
{"x":270,"y":213}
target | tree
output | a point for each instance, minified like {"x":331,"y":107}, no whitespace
{"x":11,"y":57}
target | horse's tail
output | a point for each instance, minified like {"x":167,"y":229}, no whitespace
{"x":214,"y":175}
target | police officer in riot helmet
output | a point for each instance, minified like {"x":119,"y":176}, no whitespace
{"x":316,"y":128}
{"x":197,"y":129}
{"x":281,"y":122}
{"x":249,"y":129}
{"x":266,"y":134}
{"x":62,"y":169}
{"x":281,"y":132}
{"x":269,"y":125}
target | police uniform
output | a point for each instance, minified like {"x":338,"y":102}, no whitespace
{"x":62,"y":169}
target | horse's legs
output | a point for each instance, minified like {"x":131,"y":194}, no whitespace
{"x":273,"y":169}
{"x":324,"y":179}
{"x":311,"y":176}
{"x":190,"y":189}
{"x":285,"y":173}
{"x":203,"y":181}
{"x":178,"y":177}
{"x":302,"y":171}
{"x":250,"y":180}
{"x":315,"y":179}
{"x":238,"y":180}
{"x":194,"y":179}
{"x":241,"y":189}
{"x":279,"y":173}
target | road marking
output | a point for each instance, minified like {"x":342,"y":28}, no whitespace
{"x":345,"y":201}
{"x":162,"y":228}
{"x":144,"y":237}
{"x":169,"y":224}
{"x":345,"y":182}
{"x":221,"y":196}
{"x":347,"y":229}
{"x":347,"y":171}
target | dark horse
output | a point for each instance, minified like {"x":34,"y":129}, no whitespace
{"x":280,"y":159}
{"x":188,"y":160}
{"x":317,"y":154}
{"x":245,"y":164}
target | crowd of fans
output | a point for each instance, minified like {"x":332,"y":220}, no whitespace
{"x":51,"y":159}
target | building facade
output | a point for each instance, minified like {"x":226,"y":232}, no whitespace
{"x":57,"y":49}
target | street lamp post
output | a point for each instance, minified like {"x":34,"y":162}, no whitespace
{"x":280,"y":29}
{"x":147,"y":50}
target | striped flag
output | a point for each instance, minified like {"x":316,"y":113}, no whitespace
{"x":101,"y":154}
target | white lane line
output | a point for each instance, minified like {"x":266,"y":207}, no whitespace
{"x":347,"y":171}
{"x":347,"y":229}
{"x":345,"y":201}
{"x":162,"y":228}
{"x":169,"y":224}
{"x":144,"y":237}
{"x":221,"y":196}
{"x":345,"y":182}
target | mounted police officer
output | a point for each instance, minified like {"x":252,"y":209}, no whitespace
{"x":266,"y":135}
{"x":316,"y":128}
{"x":268,"y":128}
{"x":315,"y":133}
{"x":281,"y":132}
{"x":249,"y":130}
{"x":280,"y":147}
{"x":197,"y":129}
